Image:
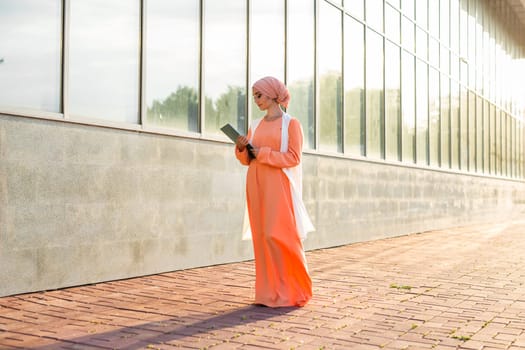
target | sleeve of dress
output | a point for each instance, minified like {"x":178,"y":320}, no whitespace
{"x":287,"y":159}
{"x":243,"y":156}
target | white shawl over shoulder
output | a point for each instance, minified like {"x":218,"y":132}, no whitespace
{"x":295,"y":176}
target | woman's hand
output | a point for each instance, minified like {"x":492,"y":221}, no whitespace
{"x":241,"y":142}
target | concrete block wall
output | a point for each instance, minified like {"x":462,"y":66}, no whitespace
{"x":355,"y":200}
{"x":83,"y":204}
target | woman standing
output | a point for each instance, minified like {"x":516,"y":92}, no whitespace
{"x":277,"y":217}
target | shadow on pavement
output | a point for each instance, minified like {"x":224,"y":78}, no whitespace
{"x":171,"y":330}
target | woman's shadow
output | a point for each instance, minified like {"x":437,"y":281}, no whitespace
{"x":173,"y":329}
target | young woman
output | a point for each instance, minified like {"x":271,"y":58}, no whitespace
{"x":277,"y":217}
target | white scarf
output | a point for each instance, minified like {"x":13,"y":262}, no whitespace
{"x":295,"y":176}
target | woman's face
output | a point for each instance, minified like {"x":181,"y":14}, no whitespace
{"x":262,"y":101}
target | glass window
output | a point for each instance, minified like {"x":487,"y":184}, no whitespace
{"x":509,"y":145}
{"x":454,"y":124}
{"x":503,"y":143}
{"x":354,"y":84}
{"x":510,"y":150}
{"x":491,"y":67}
{"x":266,"y":21}
{"x":514,"y":145}
{"x":374,"y":95}
{"x":472,"y":74}
{"x":479,"y":50}
{"x":172,"y":74}
{"x":472,"y":31}
{"x":407,"y":6}
{"x":520,"y":145}
{"x":445,"y":121}
{"x":471,"y":131}
{"x":407,"y":34}
{"x":224,"y":70}
{"x":479,"y":134}
{"x":421,"y":112}
{"x":104,"y":60}
{"x":395,"y":3}
{"x":374,"y":14}
{"x":506,"y":152}
{"x":356,"y":8}
{"x":486,"y":137}
{"x":392,"y":101}
{"x":421,"y":13}
{"x":504,"y":74}
{"x":504,"y":71}
{"x":408,"y":117}
{"x":421,"y":43}
{"x":300,"y":65}
{"x":454,"y":66}
{"x":454,"y":25}
{"x":485,"y":68}
{"x":518,"y":89}
{"x":30,"y":57}
{"x":492,"y":138}
{"x":444,"y":62}
{"x":463,"y":72}
{"x":518,"y":151}
{"x":499,"y":72}
{"x":433,"y":18}
{"x":433,"y":116}
{"x":463,"y":28}
{"x":520,"y":148}
{"x":433,"y":52}
{"x":463,"y":127}
{"x":444,"y":16}
{"x":392,"y":24}
{"x":472,"y":41}
{"x":497,"y":142}
{"x":330,"y":75}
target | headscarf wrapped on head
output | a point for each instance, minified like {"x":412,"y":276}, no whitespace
{"x":274,"y":89}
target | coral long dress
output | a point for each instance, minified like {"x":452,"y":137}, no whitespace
{"x":281,"y":274}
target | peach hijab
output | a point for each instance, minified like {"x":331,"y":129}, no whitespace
{"x":274,"y":89}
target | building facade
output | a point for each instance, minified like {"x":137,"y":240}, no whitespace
{"x":112,"y":163}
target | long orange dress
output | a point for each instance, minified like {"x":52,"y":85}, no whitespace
{"x":281,"y":273}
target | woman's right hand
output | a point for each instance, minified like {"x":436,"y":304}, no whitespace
{"x":241,"y":143}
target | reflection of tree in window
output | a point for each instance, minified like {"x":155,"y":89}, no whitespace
{"x":179,"y":110}
{"x":331,"y":111}
{"x":354,"y":121}
{"x":229,"y":107}
{"x":302,"y":107}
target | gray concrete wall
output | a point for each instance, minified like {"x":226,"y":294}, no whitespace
{"x":354,"y":200}
{"x":84,"y":204}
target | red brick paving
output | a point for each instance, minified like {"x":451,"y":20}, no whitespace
{"x":460,"y":288}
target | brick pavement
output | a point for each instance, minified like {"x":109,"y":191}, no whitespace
{"x":460,"y":288}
